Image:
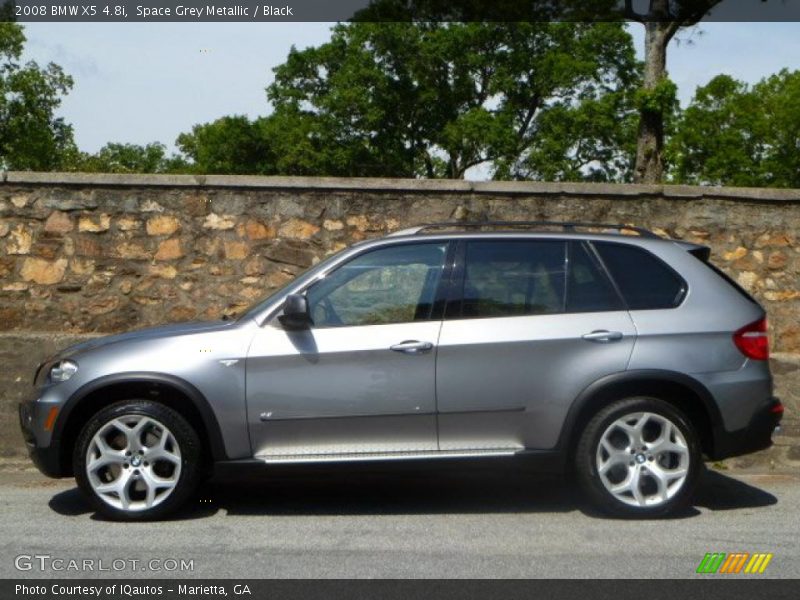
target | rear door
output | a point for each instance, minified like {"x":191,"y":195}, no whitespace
{"x":530,"y":323}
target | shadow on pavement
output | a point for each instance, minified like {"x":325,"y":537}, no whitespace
{"x":72,"y":503}
{"x":353,"y":489}
{"x":438,"y":488}
{"x":721,"y":492}
{"x":397,"y":489}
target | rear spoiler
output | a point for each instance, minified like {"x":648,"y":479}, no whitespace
{"x":697,"y":250}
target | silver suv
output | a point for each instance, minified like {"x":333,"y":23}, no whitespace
{"x":605,"y":351}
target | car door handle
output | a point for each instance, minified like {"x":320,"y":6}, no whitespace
{"x":412,"y":347}
{"x":603,"y":336}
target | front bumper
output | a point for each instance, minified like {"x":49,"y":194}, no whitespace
{"x":757,"y":435}
{"x":46,"y":458}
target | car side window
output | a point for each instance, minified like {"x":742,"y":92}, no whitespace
{"x":588,"y":287}
{"x":388,"y":285}
{"x":645,"y":281}
{"x":513,"y":278}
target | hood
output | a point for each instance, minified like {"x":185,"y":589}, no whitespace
{"x":150,"y":333}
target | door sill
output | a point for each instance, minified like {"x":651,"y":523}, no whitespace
{"x":369,"y":456}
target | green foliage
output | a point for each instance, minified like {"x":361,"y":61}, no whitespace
{"x":127,"y":158}
{"x":433,"y":100}
{"x":595,"y":141}
{"x":31,"y":136}
{"x":230,"y":145}
{"x":7,"y":11}
{"x":740,"y":135}
{"x":663,"y":98}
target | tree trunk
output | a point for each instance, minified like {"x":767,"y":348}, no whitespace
{"x":649,"y":150}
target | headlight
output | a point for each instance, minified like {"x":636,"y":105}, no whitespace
{"x":62,"y":370}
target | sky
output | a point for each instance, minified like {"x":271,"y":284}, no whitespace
{"x":145,"y":82}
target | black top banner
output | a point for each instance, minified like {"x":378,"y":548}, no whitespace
{"x":396,"y":10}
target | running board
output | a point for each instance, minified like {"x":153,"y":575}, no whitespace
{"x":369,"y":456}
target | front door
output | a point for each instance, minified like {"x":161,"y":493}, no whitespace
{"x":362,"y":378}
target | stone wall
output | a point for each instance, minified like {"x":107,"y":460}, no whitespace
{"x":81,"y":255}
{"x":104,"y":253}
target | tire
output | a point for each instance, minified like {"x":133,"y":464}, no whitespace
{"x":638,"y":457}
{"x":137,"y":460}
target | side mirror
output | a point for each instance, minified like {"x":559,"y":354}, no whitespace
{"x":295,"y":313}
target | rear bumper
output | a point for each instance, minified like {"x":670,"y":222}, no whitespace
{"x":757,"y":435}
{"x":46,"y":459}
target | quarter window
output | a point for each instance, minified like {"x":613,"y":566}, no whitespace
{"x":644,"y":280}
{"x":389,"y":285}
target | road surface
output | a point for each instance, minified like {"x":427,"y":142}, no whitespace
{"x":445,"y":520}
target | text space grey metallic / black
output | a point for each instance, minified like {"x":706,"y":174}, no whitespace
{"x":622,"y":358}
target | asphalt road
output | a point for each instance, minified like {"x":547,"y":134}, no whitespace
{"x":490,"y":520}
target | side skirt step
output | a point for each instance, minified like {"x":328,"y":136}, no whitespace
{"x":370,"y":456}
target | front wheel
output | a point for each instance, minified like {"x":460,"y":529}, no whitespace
{"x":639,"y":457}
{"x":137,"y":460}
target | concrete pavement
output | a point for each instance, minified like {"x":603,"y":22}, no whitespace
{"x":485,"y":520}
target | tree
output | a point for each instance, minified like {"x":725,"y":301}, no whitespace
{"x":128,"y":158}
{"x":657,"y":96}
{"x":31,"y":136}
{"x":231,"y":145}
{"x":735,"y":134}
{"x":593,"y":141}
{"x":436,"y":99}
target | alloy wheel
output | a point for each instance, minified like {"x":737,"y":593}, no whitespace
{"x":133,"y":462}
{"x":643,"y":459}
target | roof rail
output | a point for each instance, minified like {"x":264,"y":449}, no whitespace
{"x":566,"y":225}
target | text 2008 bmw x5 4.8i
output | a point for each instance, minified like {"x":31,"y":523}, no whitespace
{"x":622,"y":358}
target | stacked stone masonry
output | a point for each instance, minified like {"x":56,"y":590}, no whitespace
{"x":106,"y":253}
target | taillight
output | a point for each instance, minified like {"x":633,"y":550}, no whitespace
{"x":752,"y":340}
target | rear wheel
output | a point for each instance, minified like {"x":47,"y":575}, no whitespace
{"x":639,"y":457}
{"x":137,"y":460}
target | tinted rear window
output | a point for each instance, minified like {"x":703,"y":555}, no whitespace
{"x":645,"y":281}
{"x":514,"y":278}
{"x":588,"y":287}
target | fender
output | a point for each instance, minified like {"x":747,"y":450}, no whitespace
{"x":197,"y":399}
{"x":593,"y":390}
